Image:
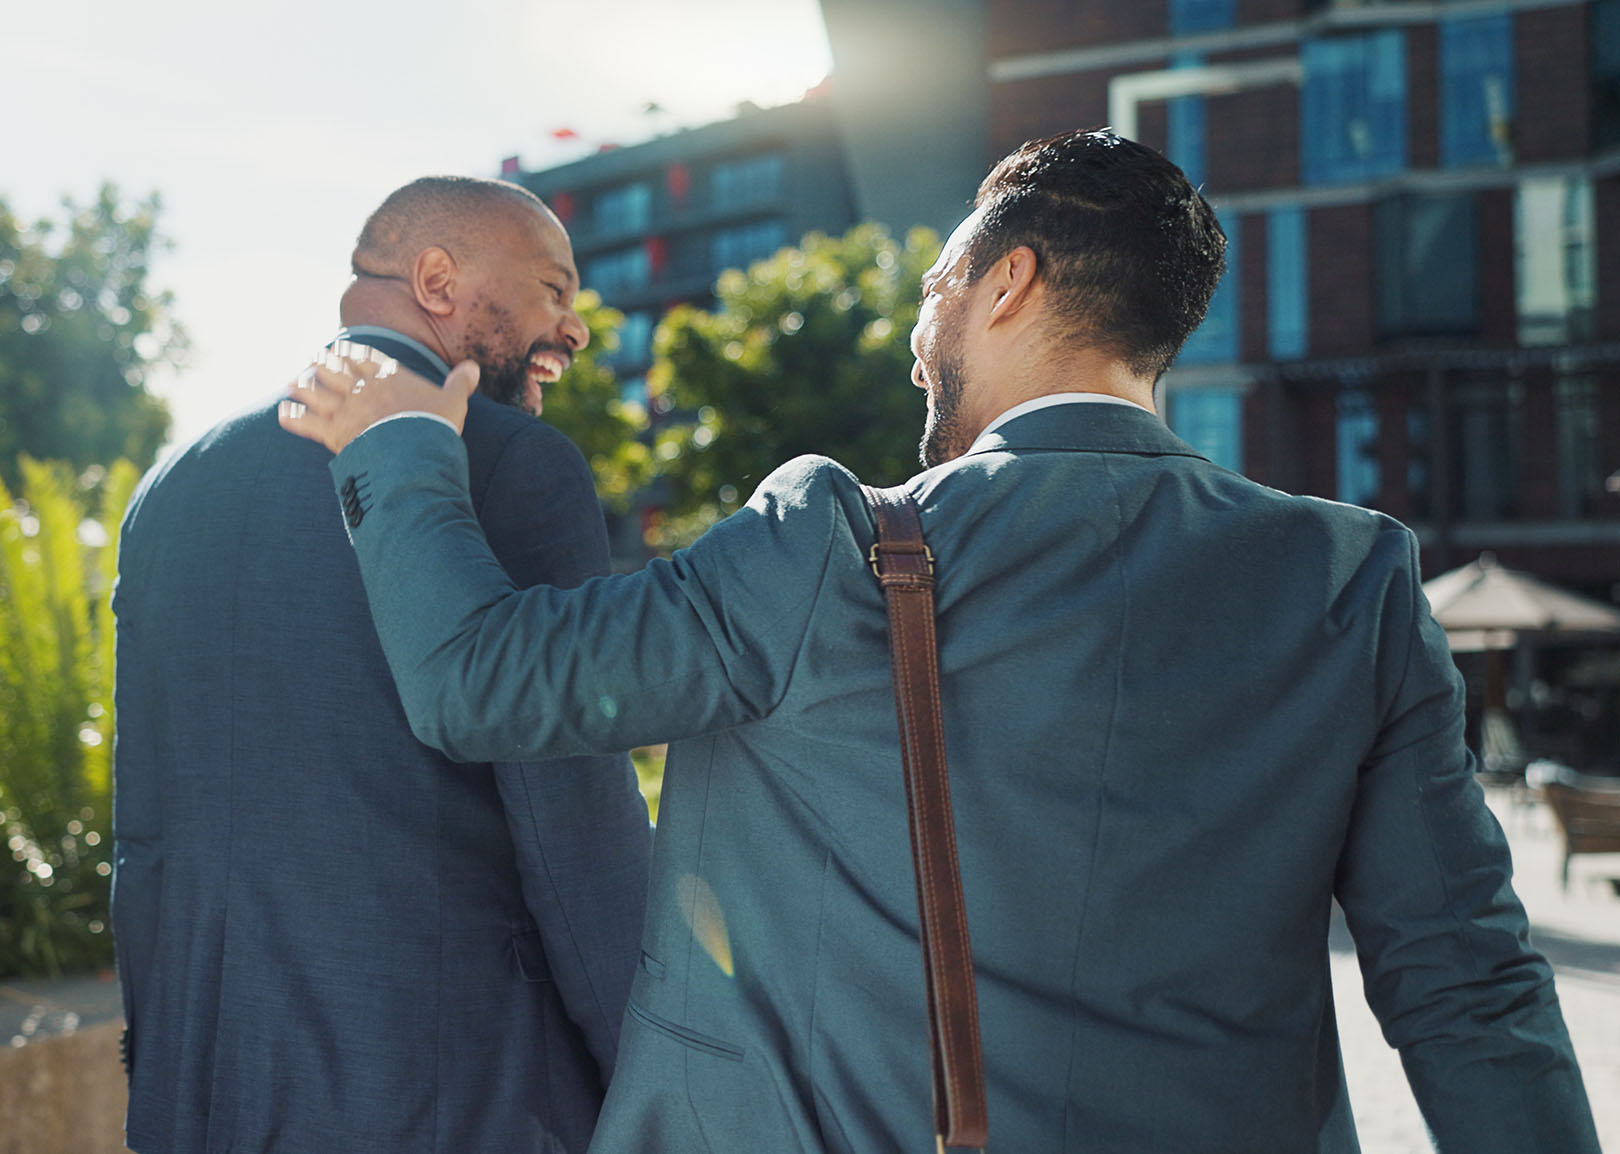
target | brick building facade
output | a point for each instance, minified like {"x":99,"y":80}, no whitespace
{"x":1423,"y":200}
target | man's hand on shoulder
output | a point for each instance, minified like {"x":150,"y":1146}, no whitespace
{"x":354,"y":387}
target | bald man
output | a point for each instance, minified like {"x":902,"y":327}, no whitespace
{"x":330,"y":938}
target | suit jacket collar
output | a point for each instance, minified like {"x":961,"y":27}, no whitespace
{"x":1086,"y":429}
{"x":410,"y":353}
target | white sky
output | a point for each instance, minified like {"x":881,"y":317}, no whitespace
{"x":271,"y":129}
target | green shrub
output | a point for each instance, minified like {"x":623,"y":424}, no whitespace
{"x":58,"y":553}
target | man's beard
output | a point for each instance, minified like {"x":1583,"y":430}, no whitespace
{"x":507,"y":380}
{"x":945,"y":437}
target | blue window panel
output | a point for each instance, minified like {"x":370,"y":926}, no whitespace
{"x":741,"y":246}
{"x":752,"y":180}
{"x":635,"y":340}
{"x":1211,"y":421}
{"x":1215,"y":342}
{"x":1360,"y":473}
{"x":1287,"y":284}
{"x":1185,"y":114}
{"x":1201,"y":15}
{"x":624,"y":209}
{"x":1353,"y":109}
{"x":1476,"y":90}
{"x":1603,"y":34}
{"x":619,"y":272}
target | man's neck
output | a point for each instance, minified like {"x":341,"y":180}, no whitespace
{"x":1080,"y":371}
{"x":379,"y":303}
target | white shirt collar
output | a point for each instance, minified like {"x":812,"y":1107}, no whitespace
{"x":1051,"y":399}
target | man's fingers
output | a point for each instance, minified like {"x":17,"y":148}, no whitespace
{"x":297,"y":417}
{"x":462,"y":381}
{"x":350,"y":388}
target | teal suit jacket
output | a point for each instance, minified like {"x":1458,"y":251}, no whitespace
{"x":1183,"y":713}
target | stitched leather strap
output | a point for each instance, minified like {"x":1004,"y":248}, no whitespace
{"x":905,"y":569}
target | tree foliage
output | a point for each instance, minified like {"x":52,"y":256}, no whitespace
{"x":79,"y":334}
{"x":586,"y":407}
{"x":807,"y":352}
{"x":56,"y":714}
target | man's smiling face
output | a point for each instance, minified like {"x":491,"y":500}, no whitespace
{"x":522,"y":329}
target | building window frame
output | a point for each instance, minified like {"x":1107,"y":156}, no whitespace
{"x":622,"y":209}
{"x":1476,"y":90}
{"x":1210,"y":419}
{"x":1287,"y":283}
{"x":1555,"y":260}
{"x":1427,"y":249}
{"x":1353,"y":107}
{"x":1218,"y":339}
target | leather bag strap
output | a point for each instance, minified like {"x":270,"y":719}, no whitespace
{"x":905,"y":570}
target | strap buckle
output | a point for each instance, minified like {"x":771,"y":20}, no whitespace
{"x":873,"y":556}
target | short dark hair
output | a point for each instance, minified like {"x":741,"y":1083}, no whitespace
{"x":450,"y":211}
{"x":1129,"y":250}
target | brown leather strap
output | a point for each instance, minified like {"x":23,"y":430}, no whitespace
{"x":905,"y":569}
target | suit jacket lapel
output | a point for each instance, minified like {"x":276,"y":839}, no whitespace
{"x":1086,"y":428}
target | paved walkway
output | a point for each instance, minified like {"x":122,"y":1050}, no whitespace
{"x":1579,"y":931}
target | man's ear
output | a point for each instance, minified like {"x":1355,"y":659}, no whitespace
{"x":1017,"y":285}
{"x":434,"y":276}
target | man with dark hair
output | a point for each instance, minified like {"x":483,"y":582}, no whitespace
{"x":1183,"y":713}
{"x":329,"y":937}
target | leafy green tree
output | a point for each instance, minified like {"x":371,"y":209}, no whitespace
{"x":56,"y":714}
{"x":80,"y":333}
{"x":586,"y":407}
{"x":807,"y":352}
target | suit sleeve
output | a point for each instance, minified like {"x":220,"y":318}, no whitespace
{"x":137,"y":884}
{"x":703,"y":642}
{"x":579,"y":825}
{"x":1424,"y":880}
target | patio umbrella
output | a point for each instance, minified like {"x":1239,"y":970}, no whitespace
{"x":1484,"y":606}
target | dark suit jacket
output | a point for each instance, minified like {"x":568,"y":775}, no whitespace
{"x":330,"y":938}
{"x":1183,"y":712}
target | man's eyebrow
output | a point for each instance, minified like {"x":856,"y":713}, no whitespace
{"x":570,"y":278}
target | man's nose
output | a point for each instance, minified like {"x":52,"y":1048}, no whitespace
{"x":575,"y":332}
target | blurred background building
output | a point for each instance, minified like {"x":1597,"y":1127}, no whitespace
{"x":654,"y":224}
{"x":1422,"y":202}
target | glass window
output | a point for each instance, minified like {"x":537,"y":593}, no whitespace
{"x":1353,"y":108}
{"x":1485,"y":451}
{"x":1426,"y":248}
{"x":1201,"y":15}
{"x":1580,"y":467}
{"x":1556,"y":260}
{"x":624,"y":209}
{"x":1287,"y":284}
{"x":1417,"y":461}
{"x":1211,"y":421}
{"x":1476,"y":91}
{"x":741,"y":246}
{"x":1604,"y":38}
{"x":1360,"y":474}
{"x":634,"y":392}
{"x":617,"y":272}
{"x":1185,"y":128}
{"x":1216,"y":340}
{"x":635,"y":340}
{"x":751,"y":180}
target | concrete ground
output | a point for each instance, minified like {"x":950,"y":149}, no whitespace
{"x":61,"y":1086}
